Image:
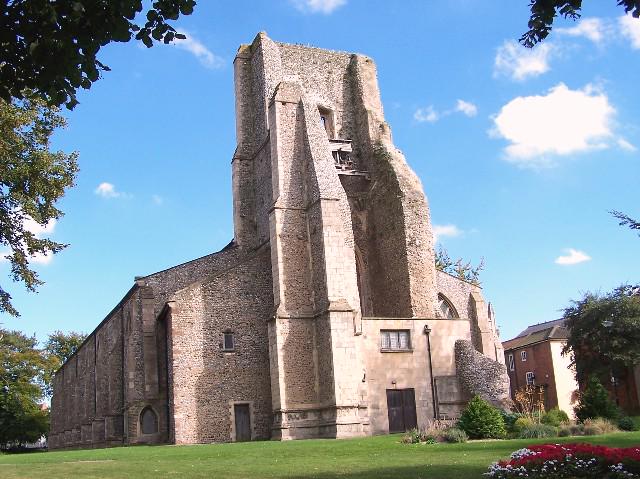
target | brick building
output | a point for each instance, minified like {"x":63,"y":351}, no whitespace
{"x":324,"y":317}
{"x":535,"y":357}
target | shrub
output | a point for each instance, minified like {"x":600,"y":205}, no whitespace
{"x":480,"y":420}
{"x":564,"y":431}
{"x":537,"y":430}
{"x":595,"y":402}
{"x":592,"y":430}
{"x":510,"y":418}
{"x":411,"y":437}
{"x":627,"y":424}
{"x":577,"y":461}
{"x":576,"y":429}
{"x":604,"y":425}
{"x":522,"y":423}
{"x":555,"y":417}
{"x":454,"y":434}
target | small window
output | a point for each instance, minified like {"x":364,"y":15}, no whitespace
{"x":148,"y":421}
{"x":523,"y":356}
{"x":395,"y":340}
{"x":228,"y":341}
{"x":512,"y":366}
{"x":446,"y":309}
{"x":326,"y":119}
{"x":531,"y":378}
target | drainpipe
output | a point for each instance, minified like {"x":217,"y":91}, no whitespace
{"x":427,"y":331}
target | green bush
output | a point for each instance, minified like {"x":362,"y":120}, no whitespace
{"x":411,"y":437}
{"x":595,"y":402}
{"x":576,"y":429}
{"x":555,"y":417}
{"x":592,"y":430}
{"x":627,"y":424}
{"x":564,"y":431}
{"x":521,"y":423}
{"x":538,"y":430}
{"x":509,"y":419}
{"x":454,"y":434}
{"x":480,"y":420}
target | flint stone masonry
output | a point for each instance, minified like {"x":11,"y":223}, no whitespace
{"x":481,"y":376}
{"x":325,"y":256}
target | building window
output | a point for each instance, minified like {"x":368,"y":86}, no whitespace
{"x":395,"y":340}
{"x":148,"y":421}
{"x":228,"y":342}
{"x":512,"y":366}
{"x":326,"y":119}
{"x":531,"y":378}
{"x":523,"y":355}
{"x":446,"y":309}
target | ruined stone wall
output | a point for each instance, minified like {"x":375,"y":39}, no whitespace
{"x":205,"y":380}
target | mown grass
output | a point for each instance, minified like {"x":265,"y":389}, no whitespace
{"x":374,"y":457}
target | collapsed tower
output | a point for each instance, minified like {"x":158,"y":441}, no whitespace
{"x":324,"y":317}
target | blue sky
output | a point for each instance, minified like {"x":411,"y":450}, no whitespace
{"x":521,"y":153}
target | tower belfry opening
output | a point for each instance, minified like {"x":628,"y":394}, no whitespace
{"x":324,"y":315}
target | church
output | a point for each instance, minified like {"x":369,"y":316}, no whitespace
{"x":324,"y":317}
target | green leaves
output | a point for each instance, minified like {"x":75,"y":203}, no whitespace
{"x":604,"y":333}
{"x":544,"y":12}
{"x":32,"y":180}
{"x":51,"y":48}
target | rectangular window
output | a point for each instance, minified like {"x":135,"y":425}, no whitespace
{"x":523,"y":355}
{"x":395,"y":340}
{"x":531,"y":378}
{"x":228,"y":344}
{"x":512,"y":366}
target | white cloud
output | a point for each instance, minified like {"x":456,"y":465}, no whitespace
{"x":38,"y":231}
{"x":440,"y":231}
{"x":427,"y":114}
{"x":318,"y":6}
{"x":631,"y":29}
{"x":625,"y":145}
{"x":468,"y":108}
{"x":108,"y":190}
{"x":593,"y":29}
{"x":192,"y":45}
{"x":157,"y":200}
{"x":562,"y":122}
{"x":518,"y":63}
{"x":573,"y":256}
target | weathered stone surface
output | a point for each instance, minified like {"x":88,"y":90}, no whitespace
{"x":482,"y":376}
{"x":279,"y":335}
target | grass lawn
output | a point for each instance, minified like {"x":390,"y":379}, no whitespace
{"x":372,"y":457}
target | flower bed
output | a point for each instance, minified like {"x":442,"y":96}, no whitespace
{"x":571,"y":461}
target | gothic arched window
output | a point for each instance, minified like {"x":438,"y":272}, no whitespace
{"x":148,"y":421}
{"x":446,"y":309}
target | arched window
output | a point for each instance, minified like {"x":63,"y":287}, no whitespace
{"x":148,"y":421}
{"x":446,"y":309}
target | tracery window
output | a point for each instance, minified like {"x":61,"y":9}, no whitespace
{"x":446,"y":309}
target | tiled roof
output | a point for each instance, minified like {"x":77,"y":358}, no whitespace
{"x":537,"y":333}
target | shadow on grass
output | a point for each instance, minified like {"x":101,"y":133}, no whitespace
{"x":437,"y":471}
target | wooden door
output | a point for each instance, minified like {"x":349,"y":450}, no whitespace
{"x":243,"y":422}
{"x":394,"y":408}
{"x":401,"y":408}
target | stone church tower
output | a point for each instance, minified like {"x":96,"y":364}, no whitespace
{"x":324,"y":317}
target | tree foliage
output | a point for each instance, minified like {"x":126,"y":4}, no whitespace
{"x":459,"y":269}
{"x":544,"y":12}
{"x":59,"y":347}
{"x":626,"y":220}
{"x":52,"y":47}
{"x":21,"y":364}
{"x":32,"y":179}
{"x":595,"y":402}
{"x":604,"y":333}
